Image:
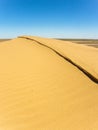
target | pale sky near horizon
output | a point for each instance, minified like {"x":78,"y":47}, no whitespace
{"x":49,"y":18}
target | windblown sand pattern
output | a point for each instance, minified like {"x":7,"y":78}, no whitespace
{"x":46,"y":84}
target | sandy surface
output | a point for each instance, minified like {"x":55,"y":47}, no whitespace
{"x":93,"y":43}
{"x":3,"y":40}
{"x":82,"y":56}
{"x":40,"y":90}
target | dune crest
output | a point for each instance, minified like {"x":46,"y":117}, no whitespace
{"x":83,"y":57}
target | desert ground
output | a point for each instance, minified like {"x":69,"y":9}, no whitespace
{"x":48,"y":84}
{"x":3,"y":40}
{"x":88,"y":42}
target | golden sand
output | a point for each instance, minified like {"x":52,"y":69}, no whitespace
{"x":41,"y":90}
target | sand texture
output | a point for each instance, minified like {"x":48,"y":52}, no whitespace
{"x":48,"y":84}
{"x":84,"y":57}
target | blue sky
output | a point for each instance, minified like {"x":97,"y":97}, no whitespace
{"x":49,"y":18}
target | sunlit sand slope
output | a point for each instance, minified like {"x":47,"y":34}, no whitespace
{"x":40,"y":90}
{"x":85,"y":58}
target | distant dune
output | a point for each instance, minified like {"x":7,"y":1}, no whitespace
{"x":88,"y":42}
{"x":3,"y":40}
{"x":48,"y":84}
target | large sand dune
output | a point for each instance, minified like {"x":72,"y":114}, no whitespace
{"x":47,"y":84}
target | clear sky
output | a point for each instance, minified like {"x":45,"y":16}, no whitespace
{"x":49,"y":18}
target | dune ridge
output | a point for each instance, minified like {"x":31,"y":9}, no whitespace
{"x":81,"y":63}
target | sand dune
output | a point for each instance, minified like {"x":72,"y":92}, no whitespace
{"x":48,"y":84}
{"x":83,"y":57}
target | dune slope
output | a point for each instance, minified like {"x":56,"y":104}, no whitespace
{"x":40,"y":90}
{"x":85,"y":58}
